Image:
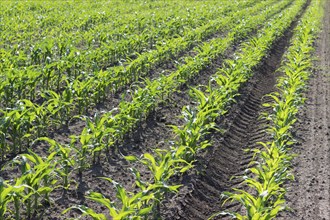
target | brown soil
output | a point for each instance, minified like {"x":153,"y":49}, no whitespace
{"x":308,"y":195}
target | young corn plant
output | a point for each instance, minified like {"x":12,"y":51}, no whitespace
{"x":163,"y":166}
{"x":58,"y":107}
{"x":82,"y":94}
{"x":11,"y":193}
{"x":39,"y":118}
{"x":98,"y":130}
{"x":133,"y":205}
{"x":40,"y":178}
{"x":3,"y":143}
{"x":16,"y":124}
{"x":82,"y":149}
{"x":192,"y":132}
{"x":198,"y":122}
{"x":65,"y":164}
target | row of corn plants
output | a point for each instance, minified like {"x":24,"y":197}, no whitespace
{"x":264,"y":195}
{"x":28,"y":120}
{"x":167,"y":163}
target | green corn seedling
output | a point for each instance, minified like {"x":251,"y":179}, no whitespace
{"x":39,"y":177}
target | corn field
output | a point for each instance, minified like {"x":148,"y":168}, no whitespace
{"x":152,"y":109}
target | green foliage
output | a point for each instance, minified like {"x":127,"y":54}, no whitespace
{"x":39,"y":177}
